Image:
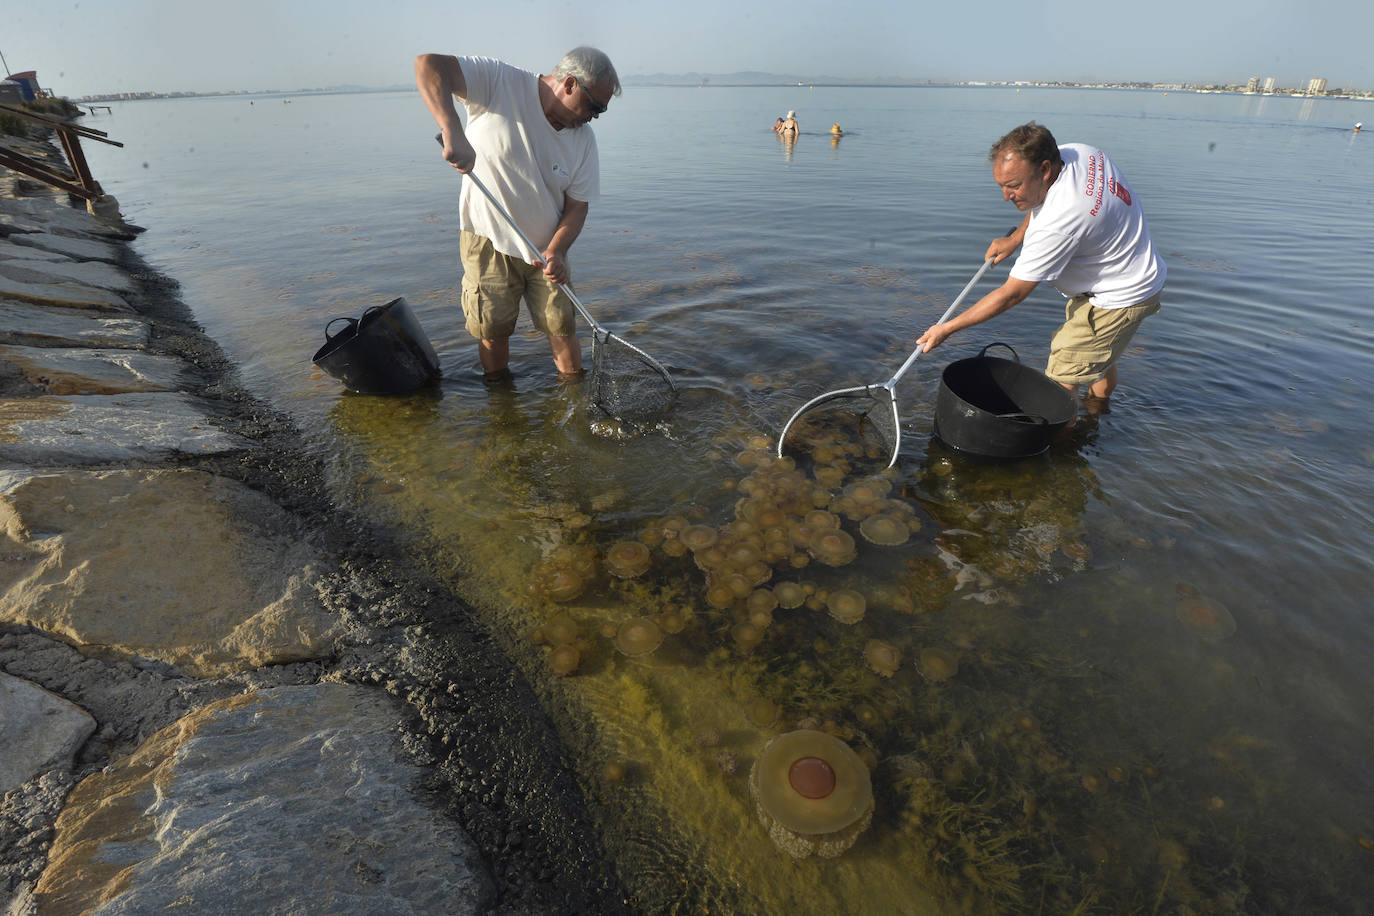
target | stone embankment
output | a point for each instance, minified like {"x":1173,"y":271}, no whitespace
{"x":218,"y":692}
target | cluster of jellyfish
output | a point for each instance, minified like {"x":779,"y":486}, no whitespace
{"x":785,"y":520}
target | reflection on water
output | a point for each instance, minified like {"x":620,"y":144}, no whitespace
{"x":1128,"y":675}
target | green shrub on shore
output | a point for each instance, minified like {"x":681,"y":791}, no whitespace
{"x":13,"y":126}
{"x":55,"y":106}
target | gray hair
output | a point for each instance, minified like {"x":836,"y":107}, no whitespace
{"x":590,"y":67}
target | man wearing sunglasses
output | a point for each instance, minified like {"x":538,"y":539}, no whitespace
{"x":528,"y":138}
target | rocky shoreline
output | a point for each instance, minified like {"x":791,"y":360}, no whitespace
{"x":219,"y":690}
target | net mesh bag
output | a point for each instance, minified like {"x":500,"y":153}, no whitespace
{"x":627,"y":384}
{"x":861,"y":422}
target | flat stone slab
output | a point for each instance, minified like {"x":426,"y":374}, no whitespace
{"x":66,"y":371}
{"x":176,"y":565}
{"x":11,"y":251}
{"x":288,"y":800}
{"x":39,"y":731}
{"x":83,"y":249}
{"x":24,"y":323}
{"x":65,"y":270}
{"x":37,"y":215}
{"x":105,"y":429}
{"x":67,"y":293}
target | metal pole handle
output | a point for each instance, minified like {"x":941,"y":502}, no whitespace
{"x":916,"y":354}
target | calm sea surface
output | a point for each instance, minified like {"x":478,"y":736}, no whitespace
{"x":1108,"y":743}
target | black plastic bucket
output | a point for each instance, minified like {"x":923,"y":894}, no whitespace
{"x":383,"y":352}
{"x":999,"y":408}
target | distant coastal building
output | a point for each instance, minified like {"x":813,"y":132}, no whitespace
{"x":1252,"y":85}
{"x":1268,"y":85}
{"x":1316,"y":86}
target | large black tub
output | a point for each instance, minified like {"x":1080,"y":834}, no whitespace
{"x":999,"y":408}
{"x":383,"y":352}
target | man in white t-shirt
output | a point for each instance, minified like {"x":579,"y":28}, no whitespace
{"x":528,"y":138}
{"x":1085,"y":233}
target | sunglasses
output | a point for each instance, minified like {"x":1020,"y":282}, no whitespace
{"x":596,"y":107}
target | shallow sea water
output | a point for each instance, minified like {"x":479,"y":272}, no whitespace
{"x":1099,"y":747}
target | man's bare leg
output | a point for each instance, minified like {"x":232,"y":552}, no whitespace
{"x":1103,"y":387}
{"x":567,"y":353}
{"x":495,"y":356}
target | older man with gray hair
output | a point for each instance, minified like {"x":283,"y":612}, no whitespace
{"x":528,"y":137}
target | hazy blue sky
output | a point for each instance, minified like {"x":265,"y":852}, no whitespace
{"x":96,"y":46}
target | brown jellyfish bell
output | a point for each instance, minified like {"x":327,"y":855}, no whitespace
{"x":937,"y":665}
{"x":638,"y":636}
{"x":747,"y":636}
{"x":561,"y":630}
{"x":761,"y":601}
{"x":883,"y":658}
{"x":698,"y":537}
{"x":563,"y":660}
{"x":869,"y":490}
{"x":812,"y":792}
{"x":720,"y":596}
{"x":627,"y":559}
{"x":1207,"y":618}
{"x":884,"y":530}
{"x":820,"y":519}
{"x":846,"y":605}
{"x":672,"y":621}
{"x":833,"y":547}
{"x":762,"y":712}
{"x":789,"y":594}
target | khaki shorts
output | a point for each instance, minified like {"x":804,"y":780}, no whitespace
{"x":494,"y":284}
{"x":1092,"y":339}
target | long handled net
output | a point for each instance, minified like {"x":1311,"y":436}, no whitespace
{"x":626,"y":384}
{"x":868,"y":412}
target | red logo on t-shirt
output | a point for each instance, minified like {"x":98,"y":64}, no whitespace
{"x":1119,"y":190}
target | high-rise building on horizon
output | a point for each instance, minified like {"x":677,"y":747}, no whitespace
{"x":1252,"y":85}
{"x":1268,"y":84}
{"x":1316,"y":86}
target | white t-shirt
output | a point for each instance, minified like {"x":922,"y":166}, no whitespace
{"x":522,"y":160}
{"x":1090,"y":235}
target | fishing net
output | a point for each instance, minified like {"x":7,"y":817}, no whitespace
{"x":861,"y":422}
{"x":628,"y":384}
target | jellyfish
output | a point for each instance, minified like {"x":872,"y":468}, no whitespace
{"x":762,"y":712}
{"x":819,"y":519}
{"x":884,"y":530}
{"x":833,"y":547}
{"x":882,"y":658}
{"x":937,"y":665}
{"x":789,"y":594}
{"x":627,"y":559}
{"x":563,"y":660}
{"x":720,"y":596}
{"x":1207,"y":618}
{"x":561,"y":630}
{"x":761,"y":600}
{"x":747,"y":636}
{"x":812,"y":793}
{"x":638,"y":636}
{"x":698,"y":537}
{"x":846,"y":605}
{"x":869,"y":490}
{"x":672,"y":621}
